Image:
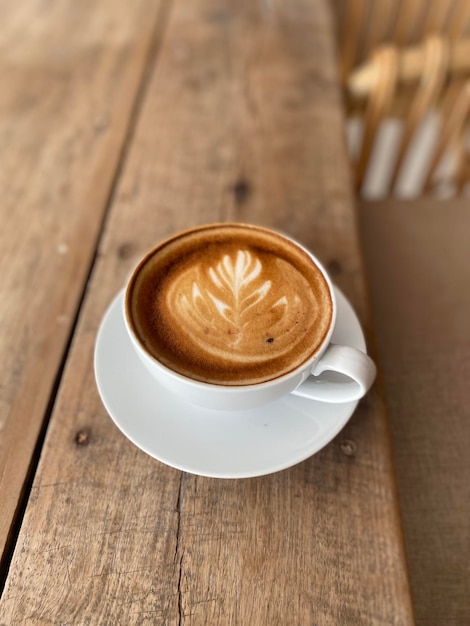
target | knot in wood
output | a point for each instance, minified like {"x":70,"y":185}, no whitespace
{"x":241,"y":190}
{"x":125,"y":250}
{"x":335,"y":267}
{"x":82,"y":438}
{"x":348,"y":447}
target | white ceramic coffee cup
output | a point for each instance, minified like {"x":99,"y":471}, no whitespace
{"x":356,"y":368}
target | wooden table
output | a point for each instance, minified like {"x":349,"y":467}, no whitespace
{"x":120,"y":123}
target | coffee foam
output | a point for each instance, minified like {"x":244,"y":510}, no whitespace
{"x":230,"y":304}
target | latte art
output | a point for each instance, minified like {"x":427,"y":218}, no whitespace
{"x":230,"y":304}
{"x":238,"y":286}
{"x":224,"y":305}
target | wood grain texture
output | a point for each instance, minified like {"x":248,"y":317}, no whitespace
{"x":241,"y":120}
{"x":69,"y":75}
{"x":418,"y":263}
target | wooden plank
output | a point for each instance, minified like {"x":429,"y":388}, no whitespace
{"x":242,"y":120}
{"x":69,"y":75}
{"x":418,"y":264}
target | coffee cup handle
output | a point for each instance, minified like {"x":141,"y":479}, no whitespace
{"x":356,"y":374}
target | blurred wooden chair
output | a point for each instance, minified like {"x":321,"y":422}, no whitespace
{"x":404,"y":67}
{"x":424,"y":92}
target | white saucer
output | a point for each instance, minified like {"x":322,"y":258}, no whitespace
{"x":221,"y":444}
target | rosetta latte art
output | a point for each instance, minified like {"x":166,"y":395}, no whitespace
{"x":232,"y":307}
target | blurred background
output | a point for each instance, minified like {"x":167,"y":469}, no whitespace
{"x":405,"y":68}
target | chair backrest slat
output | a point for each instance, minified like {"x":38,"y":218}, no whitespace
{"x":377,"y":108}
{"x":459,"y":20}
{"x":455,"y":110}
{"x":437,"y":17}
{"x":430,"y":87}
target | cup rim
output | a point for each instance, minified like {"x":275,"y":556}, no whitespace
{"x":138,"y":343}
